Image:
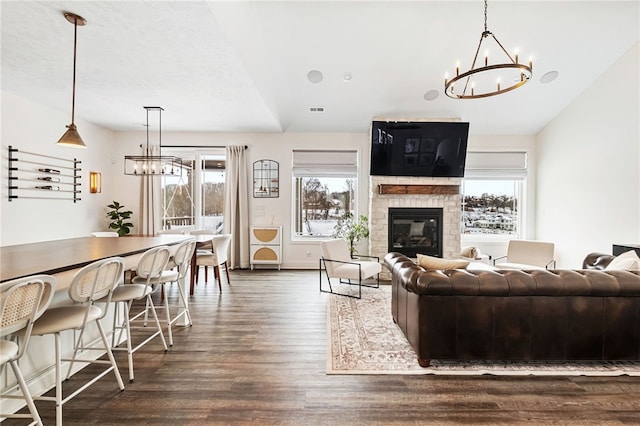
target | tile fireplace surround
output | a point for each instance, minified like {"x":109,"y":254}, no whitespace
{"x":379,"y":205}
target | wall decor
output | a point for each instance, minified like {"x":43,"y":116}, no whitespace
{"x":39,"y":176}
{"x":266,"y":181}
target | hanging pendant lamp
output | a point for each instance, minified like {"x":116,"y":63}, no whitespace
{"x":149,"y":164}
{"x":71,"y":137}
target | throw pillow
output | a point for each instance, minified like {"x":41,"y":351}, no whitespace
{"x":469,"y":252}
{"x":627,"y":261}
{"x":429,"y":262}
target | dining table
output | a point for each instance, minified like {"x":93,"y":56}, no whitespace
{"x":62,"y":258}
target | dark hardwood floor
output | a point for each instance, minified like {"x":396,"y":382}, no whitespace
{"x":256,"y":355}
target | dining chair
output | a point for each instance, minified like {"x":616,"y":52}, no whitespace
{"x":218,"y":257}
{"x":171,"y":232}
{"x":22,"y":302}
{"x":90,"y":284}
{"x":150,"y":273}
{"x":104,"y":234}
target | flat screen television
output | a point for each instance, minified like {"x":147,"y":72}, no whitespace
{"x":429,"y":148}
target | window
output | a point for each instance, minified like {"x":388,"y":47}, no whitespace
{"x":194,"y":200}
{"x":490,"y":206}
{"x":325,"y":185}
{"x":492,"y":194}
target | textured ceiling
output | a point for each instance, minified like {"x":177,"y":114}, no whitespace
{"x":242,"y":66}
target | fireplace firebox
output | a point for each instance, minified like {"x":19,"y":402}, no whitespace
{"x":415,"y":230}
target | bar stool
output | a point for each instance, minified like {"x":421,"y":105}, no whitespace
{"x":91,"y":283}
{"x":150,"y":274}
{"x":181,"y":259}
{"x":22,"y":301}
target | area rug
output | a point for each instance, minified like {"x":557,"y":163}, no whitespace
{"x":363,"y":339}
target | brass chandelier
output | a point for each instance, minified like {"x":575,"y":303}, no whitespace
{"x":477,"y":82}
{"x":149,"y":164}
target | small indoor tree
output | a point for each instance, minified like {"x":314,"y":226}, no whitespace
{"x":119,"y":218}
{"x":351,"y":229}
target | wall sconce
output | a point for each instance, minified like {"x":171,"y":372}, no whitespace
{"x":95,"y":182}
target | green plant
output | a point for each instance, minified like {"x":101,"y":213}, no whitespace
{"x":119,"y":218}
{"x":351,"y":229}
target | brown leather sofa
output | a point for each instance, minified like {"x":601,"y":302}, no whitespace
{"x":557,"y":315}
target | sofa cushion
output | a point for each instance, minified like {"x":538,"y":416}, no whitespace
{"x":430,"y":263}
{"x":627,"y":261}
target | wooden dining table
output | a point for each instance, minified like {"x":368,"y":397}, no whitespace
{"x":60,"y":257}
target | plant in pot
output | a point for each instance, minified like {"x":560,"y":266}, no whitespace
{"x":351,"y":229}
{"x":119,"y":218}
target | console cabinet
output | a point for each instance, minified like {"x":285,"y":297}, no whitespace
{"x":266,"y":245}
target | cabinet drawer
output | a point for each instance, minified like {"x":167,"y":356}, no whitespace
{"x":265,"y":254}
{"x":265,"y":235}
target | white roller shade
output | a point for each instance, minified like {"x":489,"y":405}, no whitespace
{"x":496,"y":164}
{"x":314,"y":163}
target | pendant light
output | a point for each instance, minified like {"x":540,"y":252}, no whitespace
{"x":71,"y":138}
{"x":149,"y":164}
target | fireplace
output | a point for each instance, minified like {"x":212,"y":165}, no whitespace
{"x":415,"y":230}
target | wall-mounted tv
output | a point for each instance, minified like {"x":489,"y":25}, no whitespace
{"x":424,"y":148}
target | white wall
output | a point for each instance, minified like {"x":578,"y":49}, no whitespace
{"x":588,"y":194}
{"x":271,"y":146}
{"x":29,"y":126}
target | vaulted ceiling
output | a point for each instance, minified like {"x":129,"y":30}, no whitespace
{"x":243,"y":66}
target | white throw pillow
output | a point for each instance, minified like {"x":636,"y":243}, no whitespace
{"x":469,"y":252}
{"x":627,"y":261}
{"x":429,"y":262}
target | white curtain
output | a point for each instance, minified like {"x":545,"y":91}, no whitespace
{"x":236,"y":206}
{"x":149,"y":199}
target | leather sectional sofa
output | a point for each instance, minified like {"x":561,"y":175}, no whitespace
{"x":587,"y":314}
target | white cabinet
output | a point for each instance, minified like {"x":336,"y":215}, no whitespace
{"x":266,"y":245}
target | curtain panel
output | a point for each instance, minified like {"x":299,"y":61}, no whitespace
{"x":236,"y":206}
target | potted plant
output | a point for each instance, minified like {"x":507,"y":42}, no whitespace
{"x":119,"y":218}
{"x":351,"y":229}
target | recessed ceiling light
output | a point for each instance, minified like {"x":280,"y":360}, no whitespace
{"x":347,"y":76}
{"x":549,"y":77}
{"x":314,"y":76}
{"x":431,"y":95}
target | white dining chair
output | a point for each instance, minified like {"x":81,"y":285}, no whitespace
{"x":93,"y":282}
{"x":104,"y":234}
{"x":218,"y":257}
{"x":22,"y":302}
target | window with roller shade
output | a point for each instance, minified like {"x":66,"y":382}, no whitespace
{"x":493,"y":193}
{"x":324,"y":188}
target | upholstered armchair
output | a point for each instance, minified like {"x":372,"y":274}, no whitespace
{"x":338,"y":263}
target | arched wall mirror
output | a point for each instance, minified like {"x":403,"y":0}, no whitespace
{"x":266,"y":181}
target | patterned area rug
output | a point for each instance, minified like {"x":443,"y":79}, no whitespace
{"x":363,"y":339}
